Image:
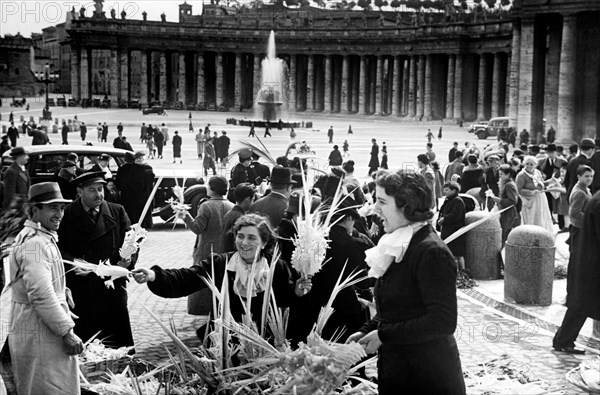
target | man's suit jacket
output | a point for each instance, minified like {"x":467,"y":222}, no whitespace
{"x":16,"y":182}
{"x":551,"y":170}
{"x":272,"y":206}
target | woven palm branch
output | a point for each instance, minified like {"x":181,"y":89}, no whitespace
{"x":259,"y":150}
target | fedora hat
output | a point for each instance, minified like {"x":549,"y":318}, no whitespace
{"x":551,"y":147}
{"x":89,"y":178}
{"x":585,"y":144}
{"x":46,"y":193}
{"x":281,"y":175}
{"x":18,"y":151}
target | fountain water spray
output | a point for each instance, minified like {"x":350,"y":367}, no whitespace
{"x":272,"y":94}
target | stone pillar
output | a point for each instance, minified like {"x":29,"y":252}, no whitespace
{"x":421,"y":87}
{"x":327,"y":106}
{"x":513,"y":105}
{"x":405,"y":84}
{"x":396,"y":91}
{"x":238,"y":82}
{"x":507,"y":84}
{"x":379,"y":87}
{"x":257,"y":77}
{"x":219,"y":81}
{"x":85,"y":76}
{"x":337,"y":86}
{"x":182,"y":97}
{"x":75,"y":73}
{"x":451,"y":81}
{"x":526,"y":76}
{"x":124,"y":85}
{"x":496,"y":86}
{"x":200,"y":79}
{"x":427,"y":99}
{"x":292,"y":95}
{"x":114,"y":76}
{"x":566,"y":84}
{"x":143,"y":77}
{"x":345,"y":94}
{"x":362,"y":89}
{"x":481,"y":82}
{"x":162,"y":88}
{"x":458,"y":73}
{"x":412,"y":88}
{"x":552,"y":77}
{"x":310,"y":84}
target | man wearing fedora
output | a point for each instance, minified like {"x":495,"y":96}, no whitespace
{"x":274,"y":204}
{"x":550,"y":168}
{"x":16,"y":178}
{"x":43,"y":356}
{"x":93,"y":230}
{"x":242,"y":172}
{"x":586,"y":150}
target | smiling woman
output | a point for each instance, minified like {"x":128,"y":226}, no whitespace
{"x":415,"y":294}
{"x":246,"y":269}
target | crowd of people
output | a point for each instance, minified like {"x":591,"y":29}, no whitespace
{"x":385,"y":227}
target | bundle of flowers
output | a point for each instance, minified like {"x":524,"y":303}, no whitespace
{"x":502,"y":375}
{"x":96,"y":351}
{"x":586,"y":376}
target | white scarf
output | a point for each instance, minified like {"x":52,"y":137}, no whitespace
{"x":390,"y":248}
{"x":242,"y":275}
{"x":536,"y":177}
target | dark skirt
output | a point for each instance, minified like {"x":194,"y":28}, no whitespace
{"x":426,"y":368}
{"x":509,"y":220}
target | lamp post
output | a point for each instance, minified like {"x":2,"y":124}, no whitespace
{"x":46,"y":77}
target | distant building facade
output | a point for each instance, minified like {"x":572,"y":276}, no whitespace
{"x":16,"y":62}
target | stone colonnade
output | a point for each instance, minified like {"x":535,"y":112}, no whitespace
{"x":456,"y":86}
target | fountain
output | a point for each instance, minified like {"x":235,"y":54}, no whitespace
{"x":271,"y":96}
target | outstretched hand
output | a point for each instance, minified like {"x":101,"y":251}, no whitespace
{"x":142,"y":275}
{"x":371,"y":342}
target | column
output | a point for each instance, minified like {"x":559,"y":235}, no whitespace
{"x":451,"y":80}
{"x":481,"y":87}
{"x":114,"y":77}
{"x":336,"y":96}
{"x":420,"y":87}
{"x":85,"y":76}
{"x":144,"y":78}
{"x":310,"y":84}
{"x":552,"y":77}
{"x":496,"y":86}
{"x":513,"y":106}
{"x":427,"y":108}
{"x":412,"y":88}
{"x":200,"y":79}
{"x":238,"y":82}
{"x":75,"y":73}
{"x":219,"y":81}
{"x":182,"y":97}
{"x":257,"y":77}
{"x":566,"y":84}
{"x":345,"y":93}
{"x":162,"y":88}
{"x":405,"y":84}
{"x":327,"y":107}
{"x":396,"y":91}
{"x":526,"y":76}
{"x":292,"y":96}
{"x":507,"y":90}
{"x":379,"y":87}
{"x":124,"y":80}
{"x":362,"y":86}
{"x":458,"y":73}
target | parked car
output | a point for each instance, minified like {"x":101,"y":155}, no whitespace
{"x":45,"y":162}
{"x":153,"y":110}
{"x":485,"y":129}
{"x":477,"y":126}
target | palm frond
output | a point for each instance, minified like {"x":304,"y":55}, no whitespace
{"x":267,"y":294}
{"x":259,"y":150}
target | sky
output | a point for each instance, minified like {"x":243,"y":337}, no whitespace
{"x":31,"y":16}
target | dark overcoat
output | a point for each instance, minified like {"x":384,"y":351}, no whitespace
{"x":571,"y":175}
{"x":272,"y":206}
{"x":16,"y":182}
{"x":453,"y":211}
{"x":374,"y":160}
{"x":416,"y":319}
{"x":584,"y":292}
{"x":99,"y":308}
{"x":348,"y":313}
{"x":177,"y":146}
{"x":176,"y":283}
{"x":135,"y":181}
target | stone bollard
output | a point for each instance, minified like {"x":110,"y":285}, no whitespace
{"x":4,"y":129}
{"x":56,"y":121}
{"x":40,"y":119}
{"x":483,"y":246}
{"x":31,"y":118}
{"x":55,"y":128}
{"x":22,"y":117}
{"x":529,"y":266}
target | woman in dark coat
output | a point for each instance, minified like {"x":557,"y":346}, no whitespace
{"x":509,"y":196}
{"x":374,"y":161}
{"x":252,"y":232}
{"x":452,"y":218}
{"x":415,"y":294}
{"x":177,"y":147}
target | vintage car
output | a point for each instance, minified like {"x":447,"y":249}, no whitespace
{"x":61,"y":101}
{"x":153,"y":110}
{"x":45,"y":162}
{"x":485,"y":129}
